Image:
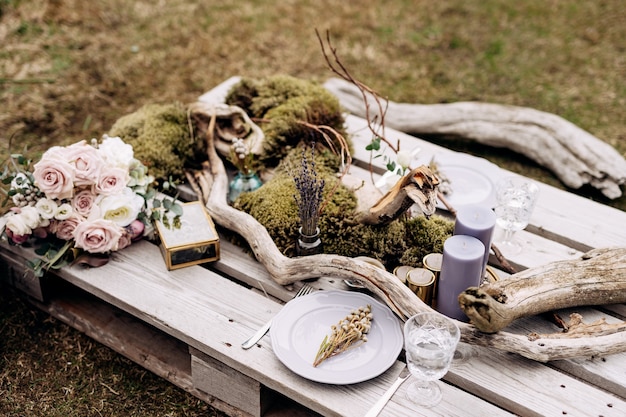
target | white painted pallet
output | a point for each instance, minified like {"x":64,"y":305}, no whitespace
{"x":187,"y":325}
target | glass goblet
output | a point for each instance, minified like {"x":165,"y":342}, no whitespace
{"x":515,"y":201}
{"x":430,"y":340}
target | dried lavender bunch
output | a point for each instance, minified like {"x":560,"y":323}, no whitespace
{"x":310,"y":192}
{"x":350,"y":332}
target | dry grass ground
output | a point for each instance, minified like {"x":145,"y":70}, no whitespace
{"x":70,"y":68}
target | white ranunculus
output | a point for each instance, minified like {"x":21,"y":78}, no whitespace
{"x":47,"y":208}
{"x":121,"y":208}
{"x":64,"y":211}
{"x":115,"y":152}
{"x":391,"y":180}
{"x":404,"y":158}
{"x":31,"y":216}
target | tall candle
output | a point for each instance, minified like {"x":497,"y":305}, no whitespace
{"x":479,"y":222}
{"x":461,"y":268}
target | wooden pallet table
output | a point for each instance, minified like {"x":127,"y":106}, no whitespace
{"x":187,"y":325}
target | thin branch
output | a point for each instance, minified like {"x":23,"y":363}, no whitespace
{"x":338,"y":68}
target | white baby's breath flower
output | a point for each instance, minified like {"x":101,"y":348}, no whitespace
{"x":47,"y":208}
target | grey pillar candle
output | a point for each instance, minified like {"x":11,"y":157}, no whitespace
{"x":479,"y":222}
{"x":461,"y":268}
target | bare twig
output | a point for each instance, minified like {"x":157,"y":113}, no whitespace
{"x":338,"y":68}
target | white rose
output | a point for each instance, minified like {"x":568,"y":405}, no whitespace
{"x":64,"y":211}
{"x":31,"y":216}
{"x":121,"y":208}
{"x":116,"y":153}
{"x":47,"y":208}
{"x":17,"y":224}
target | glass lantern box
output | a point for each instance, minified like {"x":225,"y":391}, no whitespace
{"x":195,"y":242}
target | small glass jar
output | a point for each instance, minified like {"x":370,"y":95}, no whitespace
{"x":243,"y":183}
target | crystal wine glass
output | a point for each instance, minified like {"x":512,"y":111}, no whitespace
{"x":430,"y":340}
{"x":515,"y":201}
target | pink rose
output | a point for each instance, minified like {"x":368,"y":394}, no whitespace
{"x":17,"y":239}
{"x":40,"y":232}
{"x":112,"y":180}
{"x":98,"y":236}
{"x":54,"y":176}
{"x":83,"y":201}
{"x":87,"y":162}
{"x":64,"y":229}
{"x":136,"y":229}
{"x":125,"y":240}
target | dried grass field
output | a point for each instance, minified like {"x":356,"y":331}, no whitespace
{"x":70,"y":68}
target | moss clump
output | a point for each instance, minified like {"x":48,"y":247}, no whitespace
{"x":274,"y":206}
{"x":284,"y":103}
{"x":402,"y":242}
{"x":425,"y":236}
{"x":160,"y":136}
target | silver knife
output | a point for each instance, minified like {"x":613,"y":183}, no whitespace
{"x":380,"y":404}
{"x":257,"y":336}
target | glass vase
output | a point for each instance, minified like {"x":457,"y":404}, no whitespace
{"x":243,"y":183}
{"x":309,"y":244}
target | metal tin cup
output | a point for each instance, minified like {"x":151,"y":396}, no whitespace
{"x":422,"y":282}
{"x":491,"y":275}
{"x":401,"y":272}
{"x":432,"y":262}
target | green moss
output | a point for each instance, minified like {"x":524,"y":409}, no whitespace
{"x":284,"y":103}
{"x":274,"y":206}
{"x":159,"y":134}
{"x":326,"y":162}
{"x":161,"y":139}
{"x":425,"y":236}
{"x":402,"y":242}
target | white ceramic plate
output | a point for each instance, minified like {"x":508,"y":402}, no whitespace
{"x":299,"y":328}
{"x":472,"y":179}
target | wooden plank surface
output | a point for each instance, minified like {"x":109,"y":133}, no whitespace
{"x":212,"y":310}
{"x":213,"y":314}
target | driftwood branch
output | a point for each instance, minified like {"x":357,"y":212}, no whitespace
{"x":575,"y":156}
{"x":597,"y":278}
{"x":417,"y":187}
{"x":212,"y":184}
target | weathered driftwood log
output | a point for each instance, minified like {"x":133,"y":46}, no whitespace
{"x":212,"y":186}
{"x":417,"y":187}
{"x":575,"y":156}
{"x":231,"y":122}
{"x":599,"y":277}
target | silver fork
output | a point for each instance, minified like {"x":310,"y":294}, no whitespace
{"x":304,"y":290}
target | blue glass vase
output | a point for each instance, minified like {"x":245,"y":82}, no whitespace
{"x":243,"y":183}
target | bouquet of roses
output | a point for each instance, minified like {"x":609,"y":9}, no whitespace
{"x":92,"y":198}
